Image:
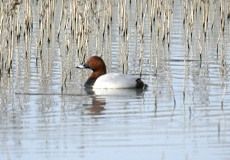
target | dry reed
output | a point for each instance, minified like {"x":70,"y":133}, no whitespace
{"x":79,"y":29}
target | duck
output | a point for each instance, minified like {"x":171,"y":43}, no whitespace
{"x":100,"y":79}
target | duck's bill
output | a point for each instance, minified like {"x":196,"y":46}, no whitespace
{"x":82,"y":66}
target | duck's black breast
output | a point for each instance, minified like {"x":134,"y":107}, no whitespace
{"x":90,"y":82}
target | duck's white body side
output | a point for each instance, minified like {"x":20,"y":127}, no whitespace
{"x":115,"y":80}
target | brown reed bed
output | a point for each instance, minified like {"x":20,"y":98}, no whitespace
{"x":75,"y":30}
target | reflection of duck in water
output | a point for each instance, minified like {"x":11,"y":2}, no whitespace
{"x":97,"y":106}
{"x":113,"y":92}
{"x":100,"y":96}
{"x":99,"y":78}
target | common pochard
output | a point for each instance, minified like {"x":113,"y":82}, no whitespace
{"x":100,"y":79}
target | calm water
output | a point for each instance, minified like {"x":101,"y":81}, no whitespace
{"x":184,"y":114}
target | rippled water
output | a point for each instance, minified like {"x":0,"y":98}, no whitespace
{"x":184,"y":114}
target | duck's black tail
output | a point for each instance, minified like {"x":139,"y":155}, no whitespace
{"x":140,"y":84}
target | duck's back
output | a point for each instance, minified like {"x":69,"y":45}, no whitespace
{"x":116,"y":80}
